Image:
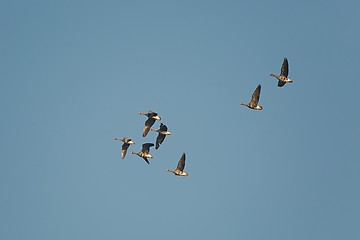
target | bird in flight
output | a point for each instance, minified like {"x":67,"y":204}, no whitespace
{"x":283,"y":78}
{"x":163,"y":131}
{"x":145,"y":152}
{"x":125,"y":146}
{"x":179,"y":171}
{"x":152,"y":117}
{"x":253,"y":104}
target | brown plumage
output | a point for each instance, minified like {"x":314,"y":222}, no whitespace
{"x":163,"y":131}
{"x":125,"y":146}
{"x":253,"y":104}
{"x":283,"y":78}
{"x":145,"y":152}
{"x":152,"y":117}
{"x":179,"y":171}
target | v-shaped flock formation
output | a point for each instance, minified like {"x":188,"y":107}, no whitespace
{"x":163,"y":130}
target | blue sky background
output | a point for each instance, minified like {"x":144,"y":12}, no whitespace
{"x":74,"y":75}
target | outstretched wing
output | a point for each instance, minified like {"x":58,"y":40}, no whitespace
{"x":281,"y":83}
{"x":256,"y":95}
{"x":181,"y":163}
{"x":124,"y":150}
{"x":163,"y":127}
{"x":285,"y":68}
{"x":148,"y":124}
{"x":146,"y":147}
{"x":146,"y":160}
{"x":159,"y":140}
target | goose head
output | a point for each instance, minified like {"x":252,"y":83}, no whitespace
{"x":245,"y":104}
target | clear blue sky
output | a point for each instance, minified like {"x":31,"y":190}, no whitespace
{"x":74,"y":75}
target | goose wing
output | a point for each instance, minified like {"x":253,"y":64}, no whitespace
{"x":159,"y":140}
{"x":281,"y":83}
{"x":148,"y":123}
{"x":163,"y":127}
{"x":146,"y":160}
{"x":256,"y":95}
{"x":124,"y":148}
{"x":181,"y":163}
{"x":146,"y":147}
{"x":285,"y":68}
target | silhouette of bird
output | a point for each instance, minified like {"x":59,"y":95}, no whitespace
{"x":125,"y":146}
{"x":152,"y":117}
{"x":163,"y":131}
{"x":179,"y":171}
{"x":283,"y":78}
{"x":144,"y":153}
{"x":253,"y":104}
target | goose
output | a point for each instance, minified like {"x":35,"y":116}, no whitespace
{"x":144,"y":153}
{"x":163,"y":131}
{"x":125,"y":146}
{"x":152,"y":117}
{"x":283,"y":78}
{"x":253,"y":104}
{"x":179,"y":171}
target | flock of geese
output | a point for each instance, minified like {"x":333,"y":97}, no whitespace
{"x":145,"y":150}
{"x":282,"y":80}
{"x":163,"y":130}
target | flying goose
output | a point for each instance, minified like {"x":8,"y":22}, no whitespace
{"x":179,"y":171}
{"x":163,"y":131}
{"x":144,"y":153}
{"x":125,"y":146}
{"x":283,"y":78}
{"x":152,"y":117}
{"x":253,"y":104}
